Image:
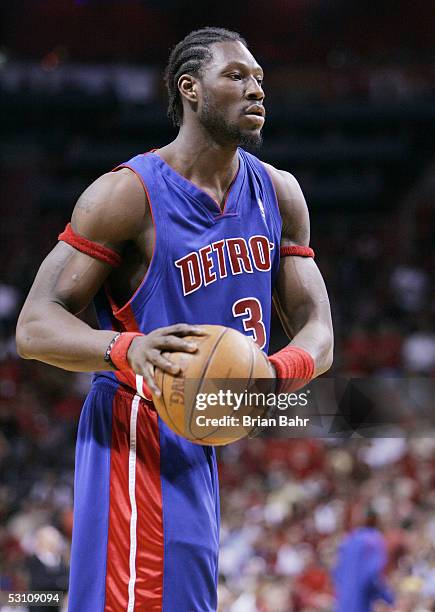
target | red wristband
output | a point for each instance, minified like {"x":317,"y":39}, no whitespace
{"x":294,"y":368}
{"x":118,"y":354}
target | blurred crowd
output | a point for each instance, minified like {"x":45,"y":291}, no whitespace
{"x":287,"y":505}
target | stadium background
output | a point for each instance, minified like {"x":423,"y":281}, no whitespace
{"x":351,"y":107}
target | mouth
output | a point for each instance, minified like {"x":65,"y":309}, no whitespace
{"x":256,"y":110}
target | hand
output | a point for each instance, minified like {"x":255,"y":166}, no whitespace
{"x":145,"y":352}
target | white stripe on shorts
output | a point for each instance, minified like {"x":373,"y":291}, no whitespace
{"x":132,"y":494}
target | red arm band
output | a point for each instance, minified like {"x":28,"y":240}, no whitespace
{"x":294,"y":368}
{"x":119,"y":350}
{"x":88,"y":247}
{"x":302,"y":251}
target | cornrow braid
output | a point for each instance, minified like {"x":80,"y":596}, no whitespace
{"x":188,"y":57}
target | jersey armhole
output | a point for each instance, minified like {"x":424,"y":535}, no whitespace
{"x":123,"y":313}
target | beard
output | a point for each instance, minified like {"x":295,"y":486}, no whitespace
{"x":225,"y":132}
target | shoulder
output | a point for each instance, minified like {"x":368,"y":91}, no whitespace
{"x":292,"y":205}
{"x":112,"y":209}
{"x":287,"y":188}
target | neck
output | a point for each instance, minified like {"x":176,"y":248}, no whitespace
{"x":208,"y":164}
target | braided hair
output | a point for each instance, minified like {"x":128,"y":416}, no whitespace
{"x":188,"y":57}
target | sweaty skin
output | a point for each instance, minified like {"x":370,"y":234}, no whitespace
{"x":114,"y":212}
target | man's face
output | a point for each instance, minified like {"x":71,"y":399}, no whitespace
{"x":231,"y":98}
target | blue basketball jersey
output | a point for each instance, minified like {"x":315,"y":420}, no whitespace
{"x":146,"y":517}
{"x":209,"y":266}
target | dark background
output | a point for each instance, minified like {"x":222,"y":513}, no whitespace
{"x":350,"y":92}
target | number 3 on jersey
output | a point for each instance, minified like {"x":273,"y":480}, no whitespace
{"x":252,"y":316}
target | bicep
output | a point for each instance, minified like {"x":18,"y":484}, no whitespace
{"x":110,"y":212}
{"x":300,"y":293}
{"x":66,"y":277}
{"x":292,"y":207}
{"x":294,"y":214}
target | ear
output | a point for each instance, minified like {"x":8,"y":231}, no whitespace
{"x":188,"y":87}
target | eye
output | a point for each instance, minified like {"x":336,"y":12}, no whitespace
{"x":260,"y":80}
{"x":236,"y":76}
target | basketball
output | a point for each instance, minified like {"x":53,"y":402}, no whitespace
{"x":209,"y":402}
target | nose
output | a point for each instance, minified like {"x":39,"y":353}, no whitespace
{"x":254,"y":90}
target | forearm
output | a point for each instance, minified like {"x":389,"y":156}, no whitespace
{"x":51,"y":334}
{"x":316,"y":338}
{"x":302,"y":303}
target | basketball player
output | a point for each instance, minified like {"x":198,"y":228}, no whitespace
{"x":359,"y":573}
{"x":199,"y":231}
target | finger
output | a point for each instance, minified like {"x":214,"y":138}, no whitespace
{"x":148,"y":374}
{"x":165,"y":364}
{"x":183,"y":329}
{"x":173,"y":343}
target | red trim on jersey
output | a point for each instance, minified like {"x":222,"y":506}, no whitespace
{"x":93,"y":249}
{"x":117,"y":311}
{"x":150,"y":550}
{"x":118,"y":543}
{"x":301,"y":251}
{"x":125,"y":319}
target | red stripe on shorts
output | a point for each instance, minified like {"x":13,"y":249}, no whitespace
{"x":118,"y":544}
{"x":149,"y":560}
{"x":134,"y":571}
